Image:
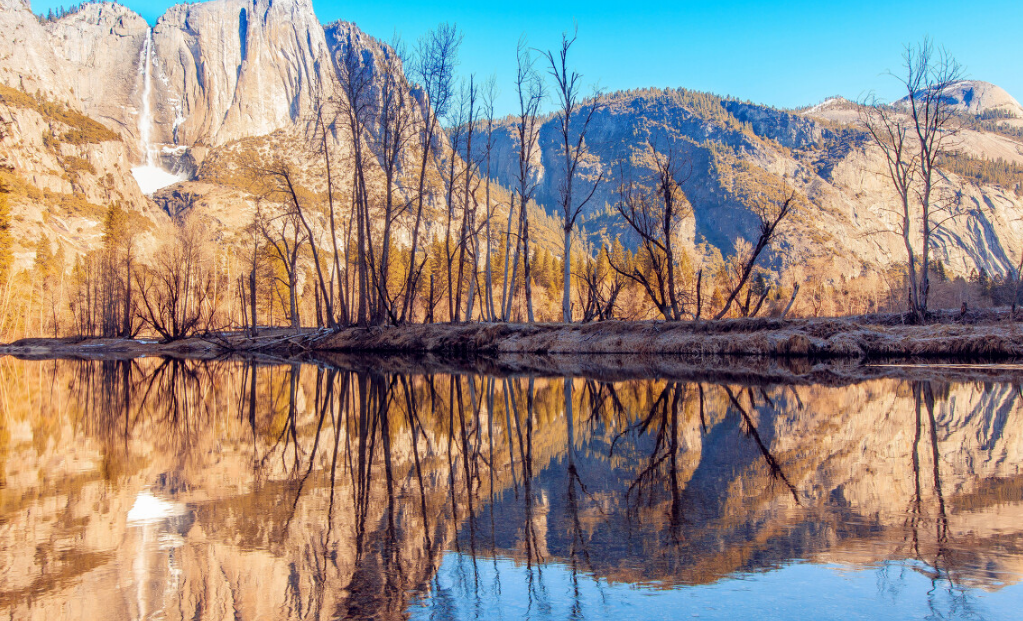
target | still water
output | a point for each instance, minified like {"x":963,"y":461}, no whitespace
{"x":164,"y":489}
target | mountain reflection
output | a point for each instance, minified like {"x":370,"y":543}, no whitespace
{"x":253,"y":489}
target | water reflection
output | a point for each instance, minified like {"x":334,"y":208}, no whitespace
{"x":256,"y":489}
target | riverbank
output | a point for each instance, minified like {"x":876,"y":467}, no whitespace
{"x":982,"y":335}
{"x":857,"y":338}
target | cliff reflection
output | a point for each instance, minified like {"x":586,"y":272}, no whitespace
{"x":189,"y":489}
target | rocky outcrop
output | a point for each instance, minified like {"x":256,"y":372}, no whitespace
{"x":847,"y":217}
{"x":206,"y":75}
{"x":977,"y":97}
{"x":99,"y":48}
{"x":237,"y":68}
{"x":64,"y":172}
{"x":88,"y":59}
{"x":223,"y":70}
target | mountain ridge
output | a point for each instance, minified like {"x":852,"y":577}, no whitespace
{"x":224,"y":71}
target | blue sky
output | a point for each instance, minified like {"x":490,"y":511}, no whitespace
{"x":784,"y":54}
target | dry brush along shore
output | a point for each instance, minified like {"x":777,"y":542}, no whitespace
{"x":815,"y":338}
{"x":979,"y":335}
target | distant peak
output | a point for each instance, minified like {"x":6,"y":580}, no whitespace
{"x":835,"y":101}
{"x":978,"y":97}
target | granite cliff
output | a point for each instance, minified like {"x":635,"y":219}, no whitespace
{"x":210,"y":82}
{"x":822,"y":152}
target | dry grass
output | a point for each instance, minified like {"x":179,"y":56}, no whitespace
{"x":854,"y":338}
{"x":980,"y":337}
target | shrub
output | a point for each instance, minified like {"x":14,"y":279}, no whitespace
{"x":82,"y":129}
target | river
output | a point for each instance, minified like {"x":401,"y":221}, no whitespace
{"x":356,"y":488}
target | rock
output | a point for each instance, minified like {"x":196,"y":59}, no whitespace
{"x":977,"y":97}
{"x":820,"y":152}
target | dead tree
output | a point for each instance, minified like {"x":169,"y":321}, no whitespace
{"x":178,"y":289}
{"x":436,"y":57}
{"x":251,"y":256}
{"x":530,"y":91}
{"x":489,"y":94}
{"x":284,"y":236}
{"x":770,"y":214}
{"x":282,"y":185}
{"x":655,"y":216}
{"x":597,"y":297}
{"x":357,"y":107}
{"x":913,"y":135}
{"x":573,"y":143}
{"x":468,"y":231}
{"x":322,"y":130}
{"x":450,"y":176}
{"x":394,"y":131}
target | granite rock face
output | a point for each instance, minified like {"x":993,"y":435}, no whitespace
{"x":233,"y":69}
{"x":977,"y":97}
{"x":821,"y":152}
{"x":99,"y":49}
{"x":228,"y":70}
{"x":221,"y":70}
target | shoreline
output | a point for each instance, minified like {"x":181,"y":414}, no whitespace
{"x":983,"y":335}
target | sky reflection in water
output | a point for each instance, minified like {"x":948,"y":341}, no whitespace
{"x":504,"y":589}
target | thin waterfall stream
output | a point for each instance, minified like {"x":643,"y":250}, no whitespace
{"x":151,"y":175}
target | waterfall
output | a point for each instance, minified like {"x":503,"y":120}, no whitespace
{"x":151,"y":175}
{"x":146,"y":113}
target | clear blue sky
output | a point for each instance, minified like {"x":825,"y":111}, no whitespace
{"x":783,"y":54}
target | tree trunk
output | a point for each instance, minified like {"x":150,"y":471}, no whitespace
{"x":526,"y":276}
{"x":566,"y":298}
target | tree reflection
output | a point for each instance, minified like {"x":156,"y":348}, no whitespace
{"x":349,"y":486}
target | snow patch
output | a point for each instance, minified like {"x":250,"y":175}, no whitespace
{"x":822,"y":105}
{"x":152,"y":178}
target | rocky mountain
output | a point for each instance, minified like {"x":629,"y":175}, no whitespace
{"x":222,"y":70}
{"x":214,"y":81}
{"x":205,"y":77}
{"x":822,"y":152}
{"x":979,"y":98}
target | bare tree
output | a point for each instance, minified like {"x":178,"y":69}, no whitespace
{"x":285,"y":237}
{"x":655,"y":216}
{"x":913,"y":135}
{"x":467,"y":231}
{"x":770,"y":212}
{"x":282,"y":185}
{"x":394,"y":131}
{"x":251,"y":258}
{"x":573,"y":144}
{"x":530,"y":90}
{"x":118,"y":262}
{"x":322,"y":130}
{"x":459,"y":128}
{"x":178,"y":289}
{"x":489,"y":94}
{"x":600,"y":287}
{"x":435,"y":60}
{"x":358,"y":108}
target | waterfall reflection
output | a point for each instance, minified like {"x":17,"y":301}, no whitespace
{"x":353,"y":491}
